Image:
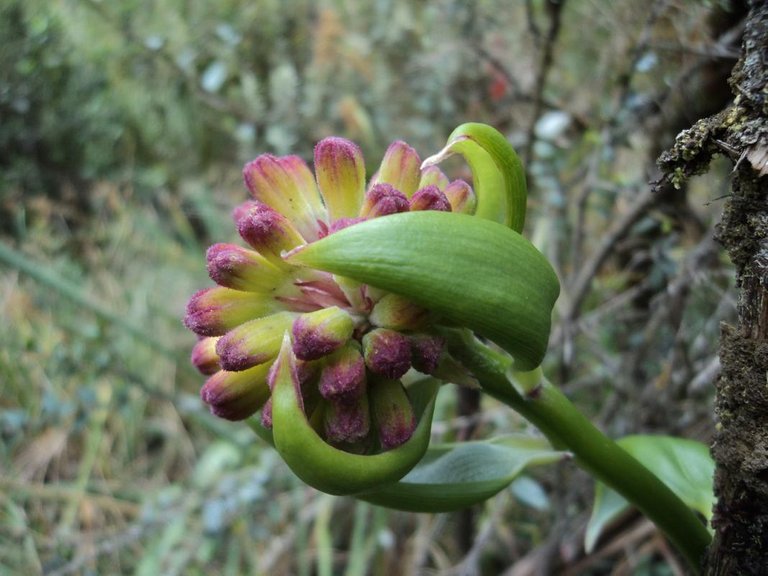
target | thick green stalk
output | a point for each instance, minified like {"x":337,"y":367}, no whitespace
{"x":566,"y":427}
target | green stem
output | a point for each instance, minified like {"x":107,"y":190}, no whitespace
{"x":565,"y":426}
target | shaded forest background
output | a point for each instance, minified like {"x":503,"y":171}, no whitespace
{"x":123,"y":129}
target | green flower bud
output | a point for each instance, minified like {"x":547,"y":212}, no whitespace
{"x":340,"y":172}
{"x":236,"y":267}
{"x":392,"y":412}
{"x":319,"y":333}
{"x":214,"y":311}
{"x":397,"y":313}
{"x":236,"y":395}
{"x":461,"y":197}
{"x":253,"y":342}
{"x":204,"y":356}
{"x":399,"y":168}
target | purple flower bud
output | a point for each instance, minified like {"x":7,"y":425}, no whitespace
{"x":254,"y":342}
{"x":401,"y":167}
{"x":266,"y":230}
{"x":214,"y":311}
{"x":382,"y":200}
{"x":236,"y":395}
{"x":398,"y":313}
{"x":319,"y":333}
{"x":204,"y":356}
{"x":430,"y":198}
{"x":461,"y":197}
{"x":236,"y":267}
{"x":347,"y":420}
{"x":287,"y":185}
{"x":392,"y":412}
{"x":340,"y":172}
{"x":426,"y":351}
{"x":343,"y":375}
{"x":387,"y":352}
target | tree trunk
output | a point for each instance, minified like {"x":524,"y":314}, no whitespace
{"x":740,"y":449}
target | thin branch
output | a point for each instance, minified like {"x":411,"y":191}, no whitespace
{"x":555,"y":9}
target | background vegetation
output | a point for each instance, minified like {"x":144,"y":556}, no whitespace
{"x":123,"y":128}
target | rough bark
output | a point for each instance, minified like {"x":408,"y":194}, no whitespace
{"x":740,"y":448}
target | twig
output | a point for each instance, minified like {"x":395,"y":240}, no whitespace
{"x":555,"y":9}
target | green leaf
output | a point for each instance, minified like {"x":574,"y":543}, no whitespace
{"x":454,"y":476}
{"x":685,"y":466}
{"x":473,"y":272}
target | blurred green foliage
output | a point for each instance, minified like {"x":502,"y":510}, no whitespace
{"x":123,"y":127}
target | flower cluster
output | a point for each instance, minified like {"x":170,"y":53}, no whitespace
{"x":352,"y":343}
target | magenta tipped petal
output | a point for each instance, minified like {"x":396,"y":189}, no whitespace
{"x":214,"y":311}
{"x":426,"y":352}
{"x":266,"y":230}
{"x":387,"y":352}
{"x":319,"y":333}
{"x":461,"y":197}
{"x":254,"y":342}
{"x":340,"y":172}
{"x":343,"y":374}
{"x":401,"y":168}
{"x":430,"y":198}
{"x":384,"y":199}
{"x":392,"y":412}
{"x":236,"y":395}
{"x":204,"y":356}
{"x":238,"y":268}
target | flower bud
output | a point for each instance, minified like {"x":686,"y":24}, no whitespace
{"x":387,"y":352}
{"x":254,"y":342}
{"x":214,"y":311}
{"x":400,"y":168}
{"x":398,"y":313}
{"x":266,"y":230}
{"x":347,"y":420}
{"x":340,"y":172}
{"x":204,"y":356}
{"x":343,"y":375}
{"x":430,"y":198}
{"x":319,"y":333}
{"x":286,"y":184}
{"x":461,"y":197}
{"x":426,"y":351}
{"x":236,"y":395}
{"x":432,"y":175}
{"x":392,"y":412}
{"x":383,"y":199}
{"x":236,"y":267}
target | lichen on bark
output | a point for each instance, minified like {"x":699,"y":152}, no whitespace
{"x":740,"y":447}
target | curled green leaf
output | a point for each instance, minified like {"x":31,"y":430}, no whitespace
{"x":321,"y":465}
{"x":497,"y":173}
{"x":474,"y":273}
